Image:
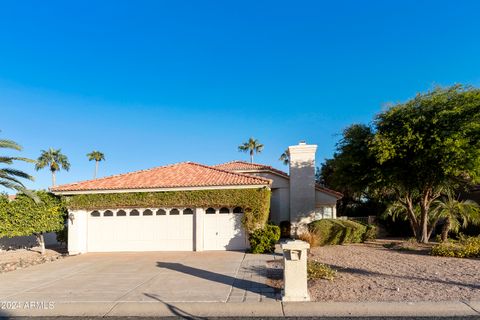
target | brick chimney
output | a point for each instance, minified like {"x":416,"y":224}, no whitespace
{"x":302,"y":181}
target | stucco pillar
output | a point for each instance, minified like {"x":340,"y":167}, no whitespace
{"x":77,"y":231}
{"x":295,"y":271}
{"x":198,"y":229}
{"x":302,"y":182}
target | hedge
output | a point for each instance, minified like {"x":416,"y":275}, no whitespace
{"x":24,"y":217}
{"x":263,"y":240}
{"x":255,"y":202}
{"x":468,"y":247}
{"x":333,"y":231}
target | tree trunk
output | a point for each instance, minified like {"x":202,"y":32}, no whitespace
{"x":96,"y":170}
{"x":41,"y":242}
{"x":446,"y":229}
{"x":54,"y":180}
{"x":413,"y":225}
{"x":422,"y":231}
{"x":422,"y":236}
{"x":411,"y":216}
{"x":251,"y":156}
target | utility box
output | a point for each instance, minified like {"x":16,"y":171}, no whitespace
{"x":295,"y":271}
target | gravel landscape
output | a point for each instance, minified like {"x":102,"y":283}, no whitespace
{"x":371,"y":272}
{"x":11,"y":260}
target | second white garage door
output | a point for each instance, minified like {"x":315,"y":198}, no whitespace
{"x":223,"y":230}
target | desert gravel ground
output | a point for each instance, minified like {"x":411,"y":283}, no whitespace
{"x":370,"y":272}
{"x":23,"y":258}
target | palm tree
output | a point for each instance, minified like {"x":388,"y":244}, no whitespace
{"x":456,"y":213}
{"x":97,"y":156}
{"x":251,"y":146}
{"x":55,"y":160}
{"x":285,"y":157}
{"x":10,"y":178}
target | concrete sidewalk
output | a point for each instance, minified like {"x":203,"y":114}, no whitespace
{"x":253,"y":309}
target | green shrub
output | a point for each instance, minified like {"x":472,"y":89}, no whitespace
{"x":333,"y":231}
{"x":317,"y":270}
{"x":263,"y":240}
{"x":468,"y":247}
{"x":370,"y":233}
{"x":24,"y":216}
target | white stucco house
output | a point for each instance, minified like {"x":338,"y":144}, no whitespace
{"x":295,"y":198}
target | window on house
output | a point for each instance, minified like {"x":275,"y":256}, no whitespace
{"x":121,"y":213}
{"x":108,"y":213}
{"x":318,"y":213}
{"x":174,"y":212}
{"x":161,"y":212}
{"x":95,"y":213}
{"x":237,"y":210}
{"x":210,"y":211}
{"x":327,"y":212}
{"x":134,"y":212}
{"x":188,"y":211}
{"x":224,"y":210}
{"x":147,"y":212}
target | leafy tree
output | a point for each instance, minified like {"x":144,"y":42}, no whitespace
{"x":352,"y":171}
{"x":55,"y":160}
{"x":97,"y":156}
{"x":11,"y":178}
{"x":251,"y":146}
{"x":24,"y":216}
{"x":425,"y":145}
{"x":456,"y":213}
{"x":285,"y":157}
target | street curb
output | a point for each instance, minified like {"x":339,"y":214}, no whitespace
{"x":367,"y":309}
{"x":254,"y":309}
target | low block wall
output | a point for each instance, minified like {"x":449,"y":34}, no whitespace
{"x":26,"y":242}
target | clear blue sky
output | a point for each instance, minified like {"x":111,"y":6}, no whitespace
{"x":155,"y":82}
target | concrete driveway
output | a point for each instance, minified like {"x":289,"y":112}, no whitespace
{"x":129,"y":277}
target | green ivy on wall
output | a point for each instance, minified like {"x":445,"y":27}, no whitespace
{"x":255,"y":202}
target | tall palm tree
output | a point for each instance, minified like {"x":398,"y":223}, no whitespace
{"x":9,"y":177}
{"x":97,"y":156}
{"x":55,"y":160}
{"x":251,"y":146}
{"x":456,"y":213}
{"x":285,"y":157}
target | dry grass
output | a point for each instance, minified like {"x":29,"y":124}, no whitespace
{"x":310,"y":237}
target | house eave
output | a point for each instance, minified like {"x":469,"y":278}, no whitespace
{"x":98,"y":191}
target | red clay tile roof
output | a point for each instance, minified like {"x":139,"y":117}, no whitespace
{"x":239,"y":165}
{"x":245,"y":167}
{"x":185,"y":174}
{"x":330,"y":191}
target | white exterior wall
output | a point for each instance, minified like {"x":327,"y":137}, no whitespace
{"x":77,"y":231}
{"x":324,"y":198}
{"x":280,"y":200}
{"x":198,"y":227}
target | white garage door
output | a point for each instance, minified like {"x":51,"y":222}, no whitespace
{"x":140,"y":230}
{"x":223,"y":230}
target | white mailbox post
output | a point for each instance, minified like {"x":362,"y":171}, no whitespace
{"x":295,"y":271}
